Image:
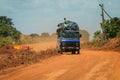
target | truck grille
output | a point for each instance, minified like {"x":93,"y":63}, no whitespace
{"x":70,"y":44}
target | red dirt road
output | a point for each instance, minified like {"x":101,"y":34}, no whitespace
{"x":89,"y":65}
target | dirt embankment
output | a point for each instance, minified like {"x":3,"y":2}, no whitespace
{"x":112,"y":44}
{"x":10,"y":57}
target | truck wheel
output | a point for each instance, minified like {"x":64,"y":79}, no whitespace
{"x":78,"y":52}
{"x":61,"y":52}
{"x":58,"y":50}
{"x":73,"y":52}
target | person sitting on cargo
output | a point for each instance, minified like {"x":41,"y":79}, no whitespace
{"x":58,"y":32}
{"x":60,"y":28}
{"x":65,"y":20}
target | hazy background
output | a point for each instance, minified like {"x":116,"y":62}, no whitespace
{"x":37,"y":16}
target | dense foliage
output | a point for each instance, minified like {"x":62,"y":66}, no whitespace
{"x":97,"y":33}
{"x":45,"y":34}
{"x":111,"y":29}
{"x":7,"y":29}
{"x":34,"y":35}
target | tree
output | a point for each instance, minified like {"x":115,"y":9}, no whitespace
{"x":97,"y":34}
{"x":7,"y":29}
{"x":15,"y":34}
{"x":6,"y":21}
{"x":112,"y":27}
{"x":34,"y":35}
{"x":45,"y":34}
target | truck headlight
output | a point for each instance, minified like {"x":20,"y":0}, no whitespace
{"x":63,"y":43}
{"x":77,"y":47}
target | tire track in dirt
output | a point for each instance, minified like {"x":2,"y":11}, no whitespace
{"x":54,"y":75}
{"x":95,"y":73}
{"x":105,"y":69}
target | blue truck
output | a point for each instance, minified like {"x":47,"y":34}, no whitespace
{"x":68,"y":37}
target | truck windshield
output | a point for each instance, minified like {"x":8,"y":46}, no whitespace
{"x":70,"y":34}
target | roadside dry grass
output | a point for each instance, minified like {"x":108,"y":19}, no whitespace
{"x":12,"y":58}
{"x":112,"y":44}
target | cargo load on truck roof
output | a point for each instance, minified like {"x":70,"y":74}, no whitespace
{"x":68,"y":25}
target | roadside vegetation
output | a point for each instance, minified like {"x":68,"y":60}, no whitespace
{"x":109,"y":38}
{"x":10,"y":37}
{"x":8,"y":33}
{"x":12,"y":57}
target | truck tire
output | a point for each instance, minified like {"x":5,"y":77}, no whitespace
{"x":73,"y":52}
{"x":78,"y":52}
{"x":61,"y":52}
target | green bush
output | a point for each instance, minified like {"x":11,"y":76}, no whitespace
{"x":112,"y":28}
{"x":118,"y":34}
{"x":100,"y":43}
{"x":95,"y":43}
{"x":7,"y":29}
{"x":5,"y":41}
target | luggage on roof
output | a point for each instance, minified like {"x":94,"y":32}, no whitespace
{"x":69,"y":25}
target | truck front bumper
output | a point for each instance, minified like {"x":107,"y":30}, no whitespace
{"x":68,"y":49}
